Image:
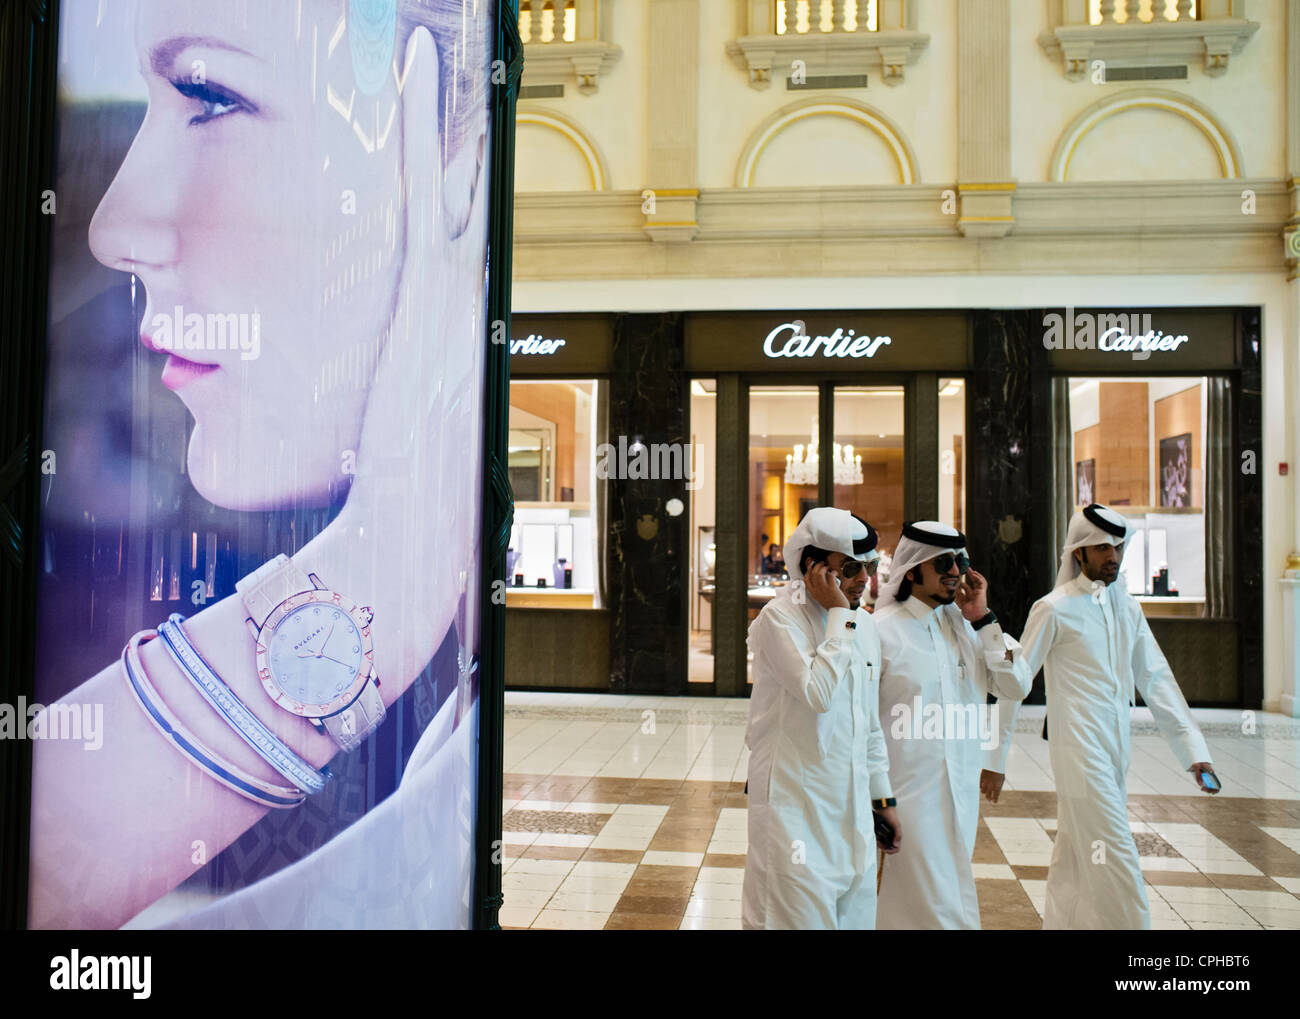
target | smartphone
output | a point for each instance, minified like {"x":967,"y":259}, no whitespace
{"x":1210,"y":782}
{"x":884,"y":831}
{"x":837,"y":579}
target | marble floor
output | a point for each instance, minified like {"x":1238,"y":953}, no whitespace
{"x":629,"y":813}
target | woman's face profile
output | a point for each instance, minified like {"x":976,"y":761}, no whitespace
{"x":258,"y":206}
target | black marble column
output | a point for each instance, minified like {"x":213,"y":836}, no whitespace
{"x":731,"y":535}
{"x":1248,"y":510}
{"x":1009,"y":474}
{"x":648,"y":547}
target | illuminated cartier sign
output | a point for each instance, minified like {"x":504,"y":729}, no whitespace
{"x":837,"y":344}
{"x":534,"y":343}
{"x":1126,"y":333}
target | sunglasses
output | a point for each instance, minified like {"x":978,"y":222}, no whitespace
{"x":944,"y":563}
{"x":850,"y":568}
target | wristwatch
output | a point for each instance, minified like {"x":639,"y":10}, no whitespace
{"x":314,"y":655}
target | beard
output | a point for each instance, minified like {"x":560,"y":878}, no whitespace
{"x":1105,"y":573}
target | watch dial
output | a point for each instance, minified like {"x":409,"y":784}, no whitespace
{"x":315,"y":653}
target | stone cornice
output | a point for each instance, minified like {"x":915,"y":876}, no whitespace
{"x":1166,"y":227}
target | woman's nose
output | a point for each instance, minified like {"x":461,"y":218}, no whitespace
{"x":135,"y":227}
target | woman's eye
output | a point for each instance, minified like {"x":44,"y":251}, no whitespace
{"x":213,"y":102}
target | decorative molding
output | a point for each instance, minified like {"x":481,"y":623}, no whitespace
{"x":560,"y":63}
{"x":890,"y":48}
{"x":851,"y":109}
{"x":591,"y":154}
{"x":886,"y":52}
{"x":1291,"y":245}
{"x":589,"y":55}
{"x":673,"y":221}
{"x":1215,"y":133}
{"x":1211,"y":41}
{"x":1129,"y":227}
{"x":986,"y":209}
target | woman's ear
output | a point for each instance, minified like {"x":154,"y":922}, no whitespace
{"x":461,"y":183}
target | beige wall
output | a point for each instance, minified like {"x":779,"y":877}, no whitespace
{"x":1139,"y":145}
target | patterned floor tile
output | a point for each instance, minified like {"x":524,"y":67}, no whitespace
{"x":650,"y":832}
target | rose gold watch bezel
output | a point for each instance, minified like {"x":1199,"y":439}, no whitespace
{"x":360,"y":615}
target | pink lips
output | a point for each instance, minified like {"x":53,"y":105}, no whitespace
{"x":178,"y":372}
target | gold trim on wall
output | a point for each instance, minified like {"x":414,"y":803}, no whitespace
{"x":575,"y":136}
{"x":1203,"y":120}
{"x":875,"y":122}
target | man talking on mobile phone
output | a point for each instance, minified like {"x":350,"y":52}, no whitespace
{"x":944,"y":654}
{"x":1098,"y":650}
{"x":818,"y":768}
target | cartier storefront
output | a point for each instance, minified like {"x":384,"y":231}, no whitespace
{"x":660,"y":461}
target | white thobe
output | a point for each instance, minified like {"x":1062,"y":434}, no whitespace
{"x":816,"y":759}
{"x":1097,"y":649}
{"x":938,"y":667}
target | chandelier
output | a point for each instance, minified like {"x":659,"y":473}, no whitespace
{"x":801,"y":466}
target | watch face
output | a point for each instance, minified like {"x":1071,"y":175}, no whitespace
{"x":314,"y":655}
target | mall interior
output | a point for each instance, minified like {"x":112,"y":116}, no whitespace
{"x":970,"y":207}
{"x":547,"y":392}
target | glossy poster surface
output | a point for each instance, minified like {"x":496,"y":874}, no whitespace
{"x":260,"y":504}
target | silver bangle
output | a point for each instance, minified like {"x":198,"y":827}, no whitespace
{"x":251,"y":729}
{"x":165,"y":721}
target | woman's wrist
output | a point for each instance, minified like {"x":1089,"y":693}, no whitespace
{"x":412,"y":595}
{"x":219,"y":634}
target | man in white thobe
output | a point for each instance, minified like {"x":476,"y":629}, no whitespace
{"x":817,"y":759}
{"x":944,"y":653}
{"x":1090,"y":636}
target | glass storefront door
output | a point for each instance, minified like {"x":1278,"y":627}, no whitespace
{"x":783,"y":482}
{"x":868,"y":463}
{"x":828,"y":442}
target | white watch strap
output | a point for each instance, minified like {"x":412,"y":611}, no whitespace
{"x":353,"y":724}
{"x":269,"y":585}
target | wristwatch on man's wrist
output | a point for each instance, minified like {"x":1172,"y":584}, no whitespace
{"x":314,"y":655}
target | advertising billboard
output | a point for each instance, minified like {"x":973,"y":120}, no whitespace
{"x":256,"y":696}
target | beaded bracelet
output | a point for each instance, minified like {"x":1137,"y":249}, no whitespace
{"x":251,"y":729}
{"x":229,"y":775}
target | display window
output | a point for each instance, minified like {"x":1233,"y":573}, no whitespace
{"x":553,"y":463}
{"x":1139,"y":445}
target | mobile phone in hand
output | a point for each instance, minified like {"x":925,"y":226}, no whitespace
{"x":884,"y":831}
{"x":1209,"y":780}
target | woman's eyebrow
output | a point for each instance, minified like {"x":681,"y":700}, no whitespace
{"x":162,"y":56}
